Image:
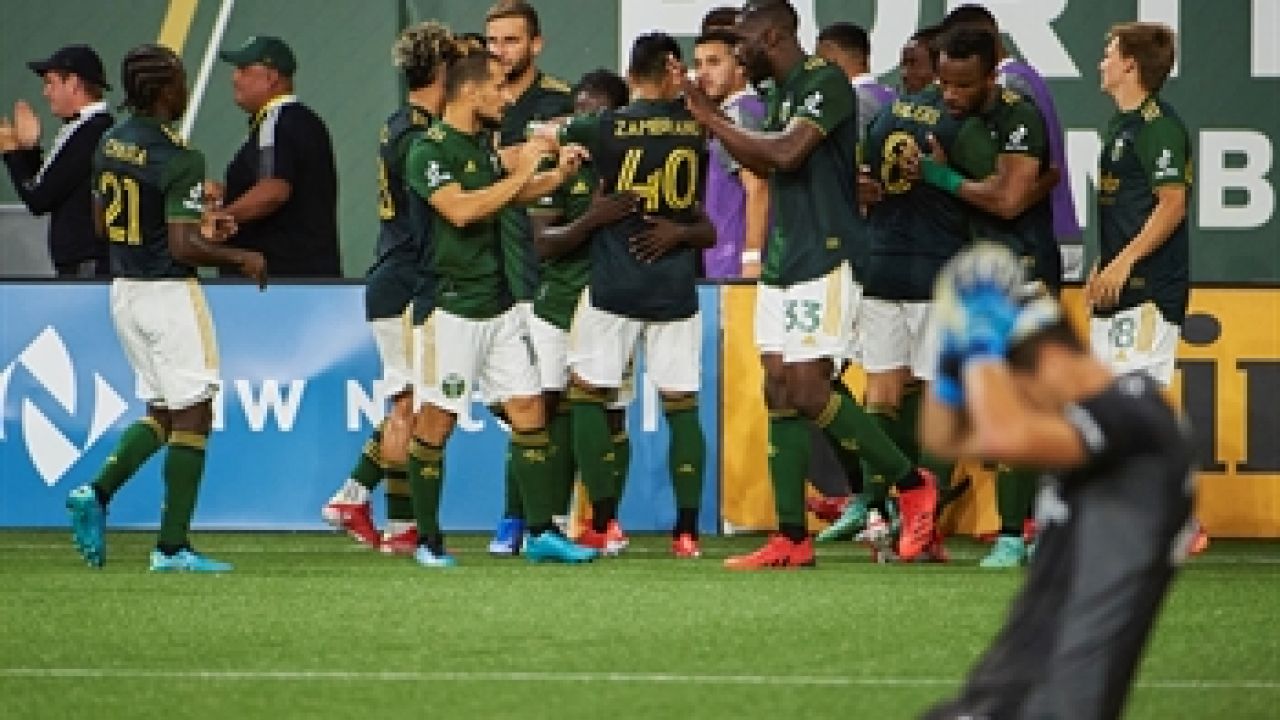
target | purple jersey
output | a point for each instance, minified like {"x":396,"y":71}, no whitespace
{"x":725,"y":200}
{"x":1019,"y":76}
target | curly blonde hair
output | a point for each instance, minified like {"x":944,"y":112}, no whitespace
{"x":422,"y":51}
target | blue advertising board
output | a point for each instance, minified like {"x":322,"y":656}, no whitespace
{"x":298,"y":400}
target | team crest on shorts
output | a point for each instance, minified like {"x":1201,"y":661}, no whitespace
{"x":453,"y":386}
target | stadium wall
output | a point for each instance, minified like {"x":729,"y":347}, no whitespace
{"x":1227,"y":86}
{"x":299,"y":398}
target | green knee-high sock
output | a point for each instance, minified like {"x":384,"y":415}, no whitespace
{"x":562,"y":467}
{"x":908,"y":435}
{"x":368,"y":470}
{"x":687,"y":457}
{"x":594,"y":452}
{"x":139,"y":442}
{"x":530,"y":462}
{"x":183,"y":467}
{"x":514,"y":504}
{"x":788,"y":468}
{"x":621,"y":463}
{"x":942,"y":470}
{"x":426,"y":482}
{"x":849,"y":460}
{"x":1015,"y":493}
{"x":399,"y":496}
{"x":845,"y":420}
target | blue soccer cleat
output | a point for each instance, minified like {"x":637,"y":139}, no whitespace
{"x":88,"y":525}
{"x":553,"y":547}
{"x":426,"y":557}
{"x":1009,"y":552}
{"x":187,"y":561}
{"x":851,"y":521}
{"x":507,"y":538}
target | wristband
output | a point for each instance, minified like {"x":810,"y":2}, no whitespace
{"x":940,"y":176}
{"x":750,"y":256}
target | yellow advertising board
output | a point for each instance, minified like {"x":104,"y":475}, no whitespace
{"x":1228,"y":384}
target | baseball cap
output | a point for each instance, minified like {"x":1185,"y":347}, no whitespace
{"x":78,"y":60}
{"x":263,"y":50}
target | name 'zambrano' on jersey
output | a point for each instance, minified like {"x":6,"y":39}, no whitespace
{"x":1143,"y":150}
{"x":814,"y":226}
{"x":654,"y":149}
{"x":144,"y":177}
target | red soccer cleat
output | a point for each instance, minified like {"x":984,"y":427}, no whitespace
{"x":1199,"y":541}
{"x":401,"y":543}
{"x":355,"y":519}
{"x":778,"y":552}
{"x":935,"y":551}
{"x":610,"y":543}
{"x":685,"y":546}
{"x":917,"y":507}
{"x":1029,"y":531}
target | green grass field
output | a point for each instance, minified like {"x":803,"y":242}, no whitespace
{"x":311,"y":626}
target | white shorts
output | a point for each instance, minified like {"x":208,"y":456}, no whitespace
{"x":809,"y":320}
{"x":167,"y":334}
{"x":1137,"y":339}
{"x":551,"y":348}
{"x":602,"y":346}
{"x":895,"y":334}
{"x":394,"y":339}
{"x":460,"y":356}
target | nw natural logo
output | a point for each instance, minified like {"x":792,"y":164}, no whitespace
{"x":52,"y":453}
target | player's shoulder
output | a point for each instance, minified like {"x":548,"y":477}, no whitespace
{"x":1155,"y":111}
{"x":817,"y":70}
{"x":548,"y":83}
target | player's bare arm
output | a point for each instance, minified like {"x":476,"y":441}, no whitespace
{"x":662,"y":235}
{"x":570,"y":158}
{"x":1104,"y":286}
{"x":188,"y":247}
{"x":552,"y":241}
{"x":264,"y":198}
{"x":464,"y":207}
{"x":1008,"y":429}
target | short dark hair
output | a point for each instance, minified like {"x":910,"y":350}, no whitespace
{"x":720,"y":18}
{"x":969,"y":14}
{"x":962,"y":43}
{"x":516,"y":8}
{"x":848,"y":37}
{"x":928,"y":36}
{"x":1151,"y":45}
{"x":469,"y":68}
{"x":606,"y":83}
{"x":1025,"y":353}
{"x":716,"y":36}
{"x":145,"y":72}
{"x":649,"y":55}
{"x":775,"y":13}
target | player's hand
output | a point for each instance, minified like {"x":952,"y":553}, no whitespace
{"x":26,"y":125}
{"x":215,"y":194}
{"x":571,"y":159}
{"x":1104,"y":287}
{"x":530,"y":156}
{"x":1089,"y":283}
{"x":217,"y":225}
{"x":978,"y":298}
{"x":609,"y":209}
{"x":659,"y":237}
{"x":870,"y":191}
{"x":252,"y":265}
{"x":935,"y":149}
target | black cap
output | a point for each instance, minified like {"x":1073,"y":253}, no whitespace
{"x":75,"y":59}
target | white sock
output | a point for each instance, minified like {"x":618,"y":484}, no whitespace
{"x":395,"y":527}
{"x":351,"y":492}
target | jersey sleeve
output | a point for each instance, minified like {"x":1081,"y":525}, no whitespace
{"x":1124,"y":419}
{"x":283,"y":139}
{"x":582,"y":130}
{"x":427,"y":168}
{"x":1162,"y":149}
{"x":1021,"y":131}
{"x":825,"y":98}
{"x":183,"y":182}
{"x":574,"y":196}
{"x":972,"y":152}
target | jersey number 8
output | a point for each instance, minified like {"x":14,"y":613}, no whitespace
{"x":663,"y":184}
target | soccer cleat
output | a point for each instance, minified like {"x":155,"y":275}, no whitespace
{"x":1029,"y":531}
{"x":851,"y":521}
{"x":355,"y":519}
{"x":1199,"y":541}
{"x":507,"y":538}
{"x":609,"y":543}
{"x":1009,"y":551}
{"x":917,"y":506}
{"x":187,"y":561}
{"x":778,"y":552}
{"x":935,"y":551}
{"x":826,"y":508}
{"x":404,"y":542}
{"x":426,"y":557}
{"x":685,"y":546}
{"x":877,"y":535}
{"x":88,"y":525}
{"x":554,"y":547}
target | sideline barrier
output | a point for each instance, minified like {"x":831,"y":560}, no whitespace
{"x":297,"y":403}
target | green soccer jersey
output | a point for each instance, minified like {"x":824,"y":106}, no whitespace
{"x":398,"y":263}
{"x":1014,"y":126}
{"x":564,"y":277}
{"x":466,"y":262}
{"x":144,"y":177}
{"x":815,"y":226}
{"x":1142,"y":151}
{"x":916,"y":228}
{"x":654,"y":149}
{"x":548,"y":97}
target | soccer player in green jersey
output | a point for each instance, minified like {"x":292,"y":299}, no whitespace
{"x":561,"y":229}
{"x":421,"y":53}
{"x":642,"y":288}
{"x":808,"y":298}
{"x":475,"y":338}
{"x":149,"y":188}
{"x":513,"y":33}
{"x":1009,"y":189}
